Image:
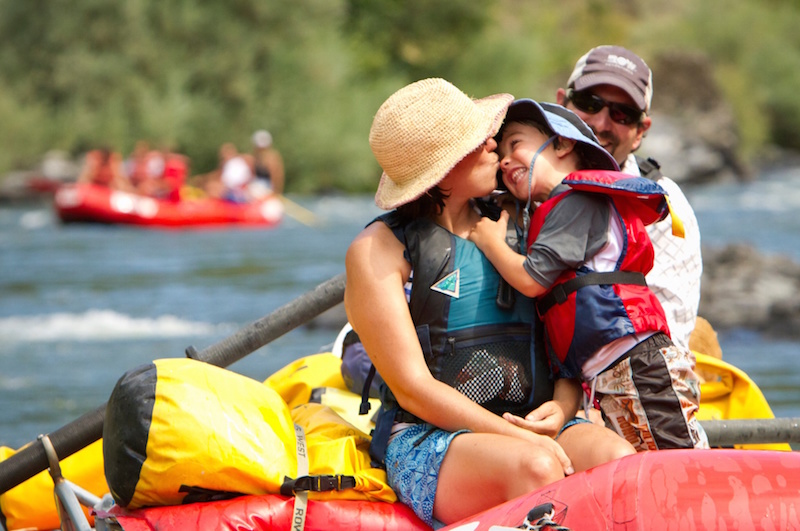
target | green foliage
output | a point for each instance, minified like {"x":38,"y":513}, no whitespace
{"x":76,"y":75}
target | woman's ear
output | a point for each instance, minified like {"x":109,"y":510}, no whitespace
{"x":564,"y":147}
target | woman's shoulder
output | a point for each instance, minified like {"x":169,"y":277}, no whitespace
{"x":374,"y":253}
{"x":375,"y":234}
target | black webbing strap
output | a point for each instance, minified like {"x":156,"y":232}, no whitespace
{"x":365,"y":406}
{"x":560,"y":293}
{"x":649,"y":168}
{"x":321,"y":483}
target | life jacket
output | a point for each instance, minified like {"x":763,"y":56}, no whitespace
{"x":175,"y":171}
{"x":262,"y":172}
{"x":471,"y":342}
{"x":585,"y":310}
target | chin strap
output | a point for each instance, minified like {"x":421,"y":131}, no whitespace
{"x":526,"y":216}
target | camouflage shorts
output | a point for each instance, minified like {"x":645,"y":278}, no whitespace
{"x":651,"y":396}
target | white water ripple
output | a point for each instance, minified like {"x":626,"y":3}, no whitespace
{"x":101,"y":325}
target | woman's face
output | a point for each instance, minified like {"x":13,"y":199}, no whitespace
{"x":516,"y":150}
{"x":475,"y":175}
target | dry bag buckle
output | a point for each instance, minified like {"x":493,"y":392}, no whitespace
{"x":321,"y":483}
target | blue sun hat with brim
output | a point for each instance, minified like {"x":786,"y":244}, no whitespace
{"x":565,"y":123}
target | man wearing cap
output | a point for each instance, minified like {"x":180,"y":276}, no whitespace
{"x":611,"y":89}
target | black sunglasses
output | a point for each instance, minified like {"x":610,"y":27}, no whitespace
{"x":593,"y":104}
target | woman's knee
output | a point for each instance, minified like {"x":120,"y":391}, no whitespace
{"x":617,"y":449}
{"x":539,"y":467}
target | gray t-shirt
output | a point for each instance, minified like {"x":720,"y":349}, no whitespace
{"x":574,"y":231}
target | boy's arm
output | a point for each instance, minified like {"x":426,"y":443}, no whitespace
{"x":490,"y":237}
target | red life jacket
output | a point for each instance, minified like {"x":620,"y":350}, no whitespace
{"x":585,"y":310}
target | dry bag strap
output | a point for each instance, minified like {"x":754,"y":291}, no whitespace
{"x":301,"y":498}
{"x":299,"y":487}
{"x":560,"y":293}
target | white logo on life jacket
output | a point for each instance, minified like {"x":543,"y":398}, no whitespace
{"x":449,"y":285}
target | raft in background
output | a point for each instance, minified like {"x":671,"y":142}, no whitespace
{"x":89,"y":203}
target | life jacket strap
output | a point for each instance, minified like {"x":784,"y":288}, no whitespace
{"x":560,"y":293}
{"x":365,"y":406}
{"x":649,"y":168}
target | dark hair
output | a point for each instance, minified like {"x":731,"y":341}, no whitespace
{"x":430,"y":204}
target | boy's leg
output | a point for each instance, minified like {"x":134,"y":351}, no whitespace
{"x":651,"y":397}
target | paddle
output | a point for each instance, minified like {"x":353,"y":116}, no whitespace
{"x":752,"y":431}
{"x":83,"y":431}
{"x":300,"y":213}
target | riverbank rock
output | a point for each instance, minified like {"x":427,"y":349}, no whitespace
{"x":741,"y":288}
{"x":693,"y":135}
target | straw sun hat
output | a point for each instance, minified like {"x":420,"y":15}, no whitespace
{"x":423,"y":130}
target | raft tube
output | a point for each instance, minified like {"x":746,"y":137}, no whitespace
{"x":667,"y":489}
{"x":89,"y":203}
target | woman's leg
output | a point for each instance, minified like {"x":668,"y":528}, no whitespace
{"x":481,"y":470}
{"x":588,"y":445}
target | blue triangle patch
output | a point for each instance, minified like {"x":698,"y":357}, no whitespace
{"x":449,"y":285}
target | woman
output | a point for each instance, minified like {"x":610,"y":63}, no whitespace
{"x":453,"y":356}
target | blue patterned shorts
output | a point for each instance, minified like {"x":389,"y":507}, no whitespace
{"x":413,"y":459}
{"x":571,"y":423}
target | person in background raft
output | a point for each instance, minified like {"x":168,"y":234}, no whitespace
{"x":232,"y":179}
{"x":267,"y":162}
{"x":456,"y":361}
{"x":157,"y":173}
{"x":103,"y":167}
{"x":611,"y":89}
{"x":587,"y":253}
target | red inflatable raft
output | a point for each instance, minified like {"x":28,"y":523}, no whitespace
{"x":669,"y":489}
{"x":268,"y":512}
{"x":98,"y":204}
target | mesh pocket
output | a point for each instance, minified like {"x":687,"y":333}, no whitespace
{"x":494,"y":376}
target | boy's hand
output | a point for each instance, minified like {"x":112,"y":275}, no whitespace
{"x":487,"y":231}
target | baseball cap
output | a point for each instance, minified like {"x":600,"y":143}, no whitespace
{"x":262,"y":139}
{"x":616,"y":66}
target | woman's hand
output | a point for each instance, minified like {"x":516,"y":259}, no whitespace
{"x":550,"y":445}
{"x":547,"y":419}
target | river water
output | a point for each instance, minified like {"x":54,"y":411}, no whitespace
{"x":81,"y":304}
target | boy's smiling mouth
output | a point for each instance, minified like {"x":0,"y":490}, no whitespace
{"x":517,"y":174}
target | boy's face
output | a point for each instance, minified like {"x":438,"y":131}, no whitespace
{"x":516,"y":150}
